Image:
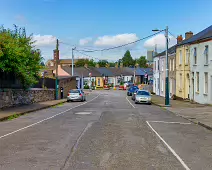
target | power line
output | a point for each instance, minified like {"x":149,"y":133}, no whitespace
{"x":173,"y":35}
{"x":88,"y":55}
{"x":106,"y":49}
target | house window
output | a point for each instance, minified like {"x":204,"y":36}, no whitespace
{"x":158,"y":65}
{"x":206,"y":54}
{"x":186,"y":56}
{"x":155,"y":65}
{"x":162,"y":65}
{"x":170,"y":85}
{"x":170,"y":65}
{"x":206,"y":83}
{"x":98,"y":82}
{"x":180,"y":81}
{"x":197,"y":85}
{"x":158,"y":80}
{"x":173,"y":65}
{"x":181,"y":58}
{"x":195,"y":55}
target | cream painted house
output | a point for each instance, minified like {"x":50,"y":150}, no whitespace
{"x":183,"y":68}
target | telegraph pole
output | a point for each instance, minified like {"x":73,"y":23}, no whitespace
{"x":56,"y":59}
{"x":167,"y":100}
{"x":72,"y":62}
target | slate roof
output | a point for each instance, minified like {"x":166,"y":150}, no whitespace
{"x":105,"y":71}
{"x":171,"y":50}
{"x":203,"y":35}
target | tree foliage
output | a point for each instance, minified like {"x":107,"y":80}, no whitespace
{"x":127,"y":59}
{"x":82,"y":62}
{"x":19,"y":55}
{"x":142,"y":62}
{"x":102,"y":63}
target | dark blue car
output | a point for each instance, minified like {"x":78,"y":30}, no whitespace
{"x":131,"y":90}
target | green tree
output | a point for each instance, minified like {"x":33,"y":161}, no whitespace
{"x":102,"y":63}
{"x":91,"y":63}
{"x":127,"y":59}
{"x":142,"y":62}
{"x":19,"y":55}
{"x":112,"y":64}
{"x":82,"y":62}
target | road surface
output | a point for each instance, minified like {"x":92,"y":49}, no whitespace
{"x":108,"y":132}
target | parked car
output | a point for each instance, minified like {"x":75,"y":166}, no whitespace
{"x":143,"y":96}
{"x":133,"y":95}
{"x":131,"y":90}
{"x":76,"y":95}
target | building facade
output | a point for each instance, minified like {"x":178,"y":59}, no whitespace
{"x":156,"y":75}
{"x":201,"y":72}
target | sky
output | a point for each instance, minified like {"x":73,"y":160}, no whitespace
{"x":99,"y":24}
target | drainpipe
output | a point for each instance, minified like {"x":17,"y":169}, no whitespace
{"x":159,"y":75}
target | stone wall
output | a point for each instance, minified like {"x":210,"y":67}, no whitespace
{"x":11,"y":97}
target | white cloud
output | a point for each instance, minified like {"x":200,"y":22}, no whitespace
{"x":119,"y":39}
{"x":160,"y":42}
{"x":85,"y":41}
{"x":44,"y":40}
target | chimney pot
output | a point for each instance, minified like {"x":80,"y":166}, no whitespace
{"x":188,"y":35}
{"x":179,"y":39}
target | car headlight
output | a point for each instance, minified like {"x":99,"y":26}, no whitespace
{"x":149,"y":98}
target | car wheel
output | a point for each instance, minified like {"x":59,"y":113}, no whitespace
{"x":136,"y":102}
{"x":150,"y":103}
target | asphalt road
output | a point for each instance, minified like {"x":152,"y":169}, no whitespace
{"x":108,"y":132}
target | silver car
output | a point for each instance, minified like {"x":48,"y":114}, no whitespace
{"x":76,"y":95}
{"x":143,"y":96}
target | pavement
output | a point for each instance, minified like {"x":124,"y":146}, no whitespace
{"x":24,"y":109}
{"x":197,"y":113}
{"x":108,"y":132}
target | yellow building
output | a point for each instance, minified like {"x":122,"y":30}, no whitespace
{"x":99,"y":82}
{"x":183,"y":68}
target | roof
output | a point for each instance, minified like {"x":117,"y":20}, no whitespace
{"x":64,"y":61}
{"x":149,"y":71}
{"x":81,"y":71}
{"x":171,"y":50}
{"x":105,"y":71}
{"x":138,"y":71}
{"x":205,"y":34}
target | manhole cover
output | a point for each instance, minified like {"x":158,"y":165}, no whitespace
{"x":83,"y":113}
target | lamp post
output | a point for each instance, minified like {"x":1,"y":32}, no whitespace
{"x":72,"y":62}
{"x":167,"y":100}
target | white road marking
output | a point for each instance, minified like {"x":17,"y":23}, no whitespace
{"x":83,"y":113}
{"x":169,"y":147}
{"x":46,"y":119}
{"x":130,"y":103}
{"x":182,"y":123}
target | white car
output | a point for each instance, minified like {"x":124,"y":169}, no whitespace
{"x":76,"y":95}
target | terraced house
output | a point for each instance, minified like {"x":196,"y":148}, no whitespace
{"x":201,"y":66}
{"x":183,"y":67}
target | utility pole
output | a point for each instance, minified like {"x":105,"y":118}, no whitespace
{"x":134,"y":76}
{"x":56,"y":59}
{"x":72,"y":62}
{"x":167,"y":100}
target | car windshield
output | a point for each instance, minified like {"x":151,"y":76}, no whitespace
{"x":135,"y":87}
{"x":143,"y":93}
{"x":74,"y":91}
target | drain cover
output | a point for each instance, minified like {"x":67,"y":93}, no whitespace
{"x":83,"y":113}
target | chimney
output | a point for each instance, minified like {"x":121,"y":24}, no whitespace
{"x":179,"y":39}
{"x":188,"y":35}
{"x":117,"y":65}
{"x":97,"y":65}
{"x":121,"y":65}
{"x":86,"y":65}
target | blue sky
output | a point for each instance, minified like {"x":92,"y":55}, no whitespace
{"x":103,"y":23}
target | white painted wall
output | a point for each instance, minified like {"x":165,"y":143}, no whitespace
{"x":201,"y":67}
{"x":156,"y":80}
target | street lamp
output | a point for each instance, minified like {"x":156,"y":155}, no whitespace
{"x":167,"y":100}
{"x":72,"y":62}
